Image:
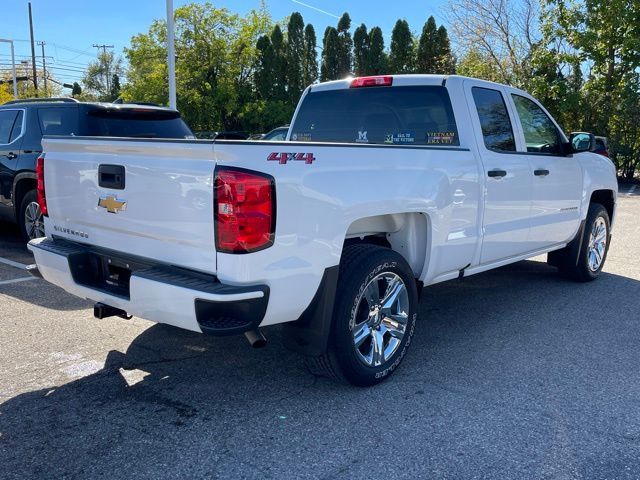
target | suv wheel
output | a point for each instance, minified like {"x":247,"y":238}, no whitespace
{"x":373,"y":319}
{"x":30,"y":218}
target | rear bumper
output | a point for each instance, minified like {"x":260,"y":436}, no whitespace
{"x":159,"y":293}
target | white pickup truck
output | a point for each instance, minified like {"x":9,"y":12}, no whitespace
{"x":384,"y":185}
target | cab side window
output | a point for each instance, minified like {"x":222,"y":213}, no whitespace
{"x":494,"y":120}
{"x":540,"y":133}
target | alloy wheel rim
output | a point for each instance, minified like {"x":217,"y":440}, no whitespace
{"x":381,"y":318}
{"x":33,"y":221}
{"x":597,"y":244}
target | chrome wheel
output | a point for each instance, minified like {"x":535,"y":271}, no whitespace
{"x":597,"y":244}
{"x":33,"y":221}
{"x":381,"y":318}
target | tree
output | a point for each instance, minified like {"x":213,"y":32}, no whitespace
{"x":401,"y":56}
{"x":216,"y":55}
{"x":265,"y":70}
{"x":77,"y":90}
{"x":295,"y":56}
{"x":345,"y":49}
{"x":428,"y":53}
{"x":503,"y":33}
{"x":115,"y":87}
{"x":309,"y":58}
{"x":330,"y":69}
{"x":446,"y":63}
{"x":99,"y":74}
{"x":279,"y":64}
{"x":378,"y":62}
{"x":361,"y":50}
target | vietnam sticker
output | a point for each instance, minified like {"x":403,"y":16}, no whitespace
{"x":440,"y":138}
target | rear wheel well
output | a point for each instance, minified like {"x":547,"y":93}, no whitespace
{"x":606,"y":199}
{"x":404,"y":233}
{"x":22,"y":187}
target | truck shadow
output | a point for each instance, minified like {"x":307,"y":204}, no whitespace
{"x":176,"y":400}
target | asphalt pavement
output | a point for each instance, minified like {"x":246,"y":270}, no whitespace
{"x":515,"y":373}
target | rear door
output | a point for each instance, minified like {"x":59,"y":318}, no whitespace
{"x":557,"y":178}
{"x":11,"y":134}
{"x":508,"y":177}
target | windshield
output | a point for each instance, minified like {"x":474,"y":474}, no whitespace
{"x":136,"y":122}
{"x":415,"y":115}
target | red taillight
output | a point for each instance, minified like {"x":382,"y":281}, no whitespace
{"x":378,"y":81}
{"x":245,"y":211}
{"x":42,"y":198}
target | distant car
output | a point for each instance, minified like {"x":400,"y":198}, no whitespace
{"x":23,"y":123}
{"x":277,"y":134}
{"x":602,"y":146}
{"x":210,"y":135}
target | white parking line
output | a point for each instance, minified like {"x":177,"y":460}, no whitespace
{"x":11,"y":263}
{"x":16,"y":280}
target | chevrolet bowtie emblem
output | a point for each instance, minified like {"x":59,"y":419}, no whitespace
{"x":112,"y":204}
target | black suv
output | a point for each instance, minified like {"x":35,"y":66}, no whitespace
{"x":23,"y":123}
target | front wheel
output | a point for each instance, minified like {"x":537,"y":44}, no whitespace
{"x":593,"y":249}
{"x":373,"y":319}
{"x":30,"y":218}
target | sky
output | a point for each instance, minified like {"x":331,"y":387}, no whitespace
{"x":70,"y":28}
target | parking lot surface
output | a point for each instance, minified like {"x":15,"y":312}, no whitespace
{"x":515,"y":373}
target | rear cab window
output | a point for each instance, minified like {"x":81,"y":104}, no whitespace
{"x":400,"y":115}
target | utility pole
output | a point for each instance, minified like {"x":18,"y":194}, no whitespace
{"x":107,"y":64}
{"x":171,"y":55}
{"x":44,"y":68}
{"x":33,"y":53}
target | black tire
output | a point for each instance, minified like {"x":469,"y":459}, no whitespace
{"x":580,"y":270}
{"x":30,"y":197}
{"x":360,"y":265}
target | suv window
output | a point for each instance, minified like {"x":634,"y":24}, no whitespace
{"x":17,"y":127}
{"x":540,"y":133}
{"x":494,"y":120}
{"x":7,"y":119}
{"x":415,"y":115}
{"x":58,"y":121}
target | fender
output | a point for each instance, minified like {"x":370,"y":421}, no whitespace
{"x":17,"y":179}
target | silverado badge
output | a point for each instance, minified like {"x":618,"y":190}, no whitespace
{"x":112,"y":204}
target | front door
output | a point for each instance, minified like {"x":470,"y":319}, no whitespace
{"x":557,"y":178}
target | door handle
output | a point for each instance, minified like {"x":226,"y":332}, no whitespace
{"x":11,"y":155}
{"x":497,"y":173}
{"x":541,"y":173}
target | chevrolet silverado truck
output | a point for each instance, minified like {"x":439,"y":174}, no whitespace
{"x":384,"y":185}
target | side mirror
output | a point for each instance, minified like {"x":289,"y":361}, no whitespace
{"x":582,"y":142}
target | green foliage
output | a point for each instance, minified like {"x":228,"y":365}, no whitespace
{"x":446,"y":63}
{"x":99,"y":75}
{"x":77,"y":90}
{"x":309,"y":58}
{"x":428,"y":55}
{"x":216,"y":56}
{"x":295,"y":54}
{"x":361,"y":50}
{"x":345,"y":48}
{"x":401,"y":57}
{"x":330,"y":69}
{"x":378,"y":60}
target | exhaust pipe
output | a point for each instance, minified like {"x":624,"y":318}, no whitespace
{"x":255,"y":338}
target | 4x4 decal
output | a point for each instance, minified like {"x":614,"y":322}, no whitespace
{"x":285,"y":157}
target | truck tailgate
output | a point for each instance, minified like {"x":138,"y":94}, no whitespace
{"x":161,"y":209}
